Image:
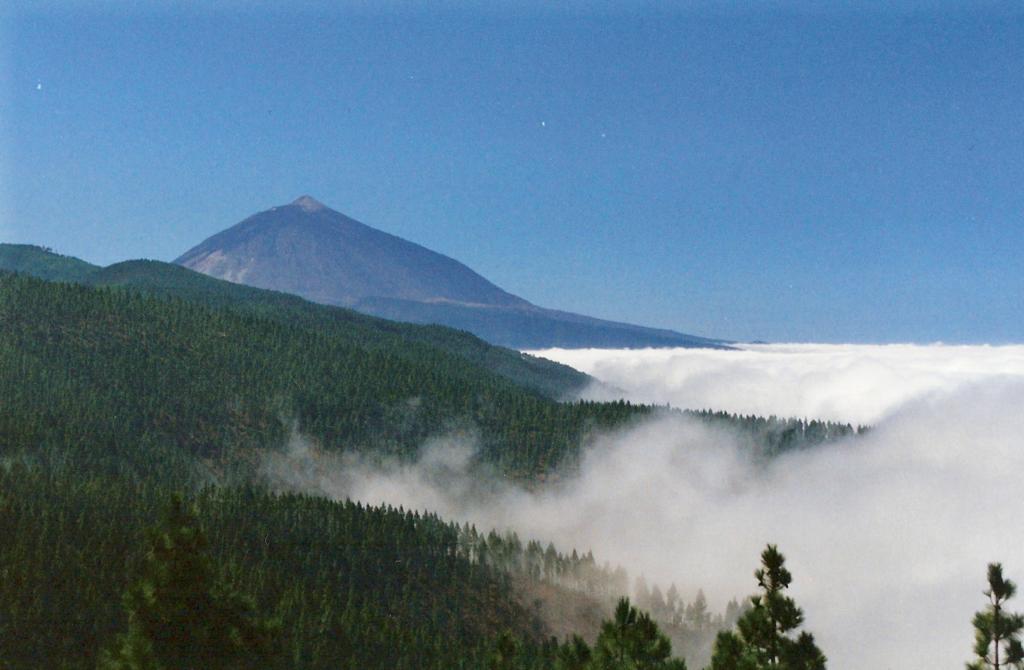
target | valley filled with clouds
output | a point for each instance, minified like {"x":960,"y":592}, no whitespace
{"x":887,"y":533}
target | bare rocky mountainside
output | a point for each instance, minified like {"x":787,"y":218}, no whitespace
{"x":311,"y":250}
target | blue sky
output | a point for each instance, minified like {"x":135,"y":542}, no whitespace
{"x":753,"y":171}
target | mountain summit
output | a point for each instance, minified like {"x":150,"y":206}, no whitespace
{"x":309,"y":204}
{"x":311,"y":250}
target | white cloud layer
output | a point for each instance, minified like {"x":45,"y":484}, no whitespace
{"x":887,"y":535}
{"x":849,"y":383}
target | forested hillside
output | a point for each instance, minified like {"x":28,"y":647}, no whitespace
{"x":115,"y":399}
{"x":83,"y":366}
{"x":43,"y":263}
{"x":343,"y":583}
{"x":350,"y":586}
{"x":167,"y":280}
{"x":107,"y":369}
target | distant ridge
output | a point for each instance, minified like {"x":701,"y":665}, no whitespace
{"x":308,"y":249}
{"x":44,"y":263}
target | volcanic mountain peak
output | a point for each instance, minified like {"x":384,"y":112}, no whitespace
{"x":311,"y":250}
{"x":314,"y":251}
{"x":309,"y":204}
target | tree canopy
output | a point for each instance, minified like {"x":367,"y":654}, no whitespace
{"x":179,"y":616}
{"x":764,"y":635}
{"x":997,"y":632}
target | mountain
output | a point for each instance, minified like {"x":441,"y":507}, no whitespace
{"x":311,"y":250}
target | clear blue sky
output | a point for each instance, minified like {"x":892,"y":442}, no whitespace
{"x":781,"y":173}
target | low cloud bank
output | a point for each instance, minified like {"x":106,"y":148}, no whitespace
{"x":849,"y":383}
{"x":887,"y":535}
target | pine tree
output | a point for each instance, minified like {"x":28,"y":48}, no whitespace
{"x":697,"y":615}
{"x":504,"y":653}
{"x":574,"y":654}
{"x":996,"y":631}
{"x":632,"y":641}
{"x":732,"y":654}
{"x":762,"y":639}
{"x":178,"y":616}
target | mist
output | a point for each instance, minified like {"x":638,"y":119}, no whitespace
{"x":887,"y":534}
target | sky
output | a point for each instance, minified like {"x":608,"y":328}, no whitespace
{"x":784,"y":171}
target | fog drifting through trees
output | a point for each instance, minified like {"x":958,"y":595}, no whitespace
{"x":887,"y":535}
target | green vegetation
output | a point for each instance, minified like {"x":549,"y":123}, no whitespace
{"x":774,"y":435}
{"x":115,"y":399}
{"x":172,"y":281}
{"x":763,"y":636}
{"x":350,"y":585}
{"x":43,"y":263}
{"x":178,"y":617}
{"x":166,"y":280}
{"x":136,"y":405}
{"x":690,"y":627}
{"x":996,"y":631}
{"x":104,"y":370}
{"x":632,"y":640}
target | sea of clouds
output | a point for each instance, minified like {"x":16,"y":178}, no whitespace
{"x":849,"y":383}
{"x":887,"y":534}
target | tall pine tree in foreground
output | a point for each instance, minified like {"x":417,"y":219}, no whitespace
{"x":763,"y":638}
{"x":996,"y":631}
{"x":632,"y":641}
{"x":179,"y":617}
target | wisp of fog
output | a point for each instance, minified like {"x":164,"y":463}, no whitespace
{"x":887,"y":534}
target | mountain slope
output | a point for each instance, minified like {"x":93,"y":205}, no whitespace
{"x":114,"y":367}
{"x":114,"y":399}
{"x":532,"y":327}
{"x":172,"y":281}
{"x":311,"y":250}
{"x":354,"y":586}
